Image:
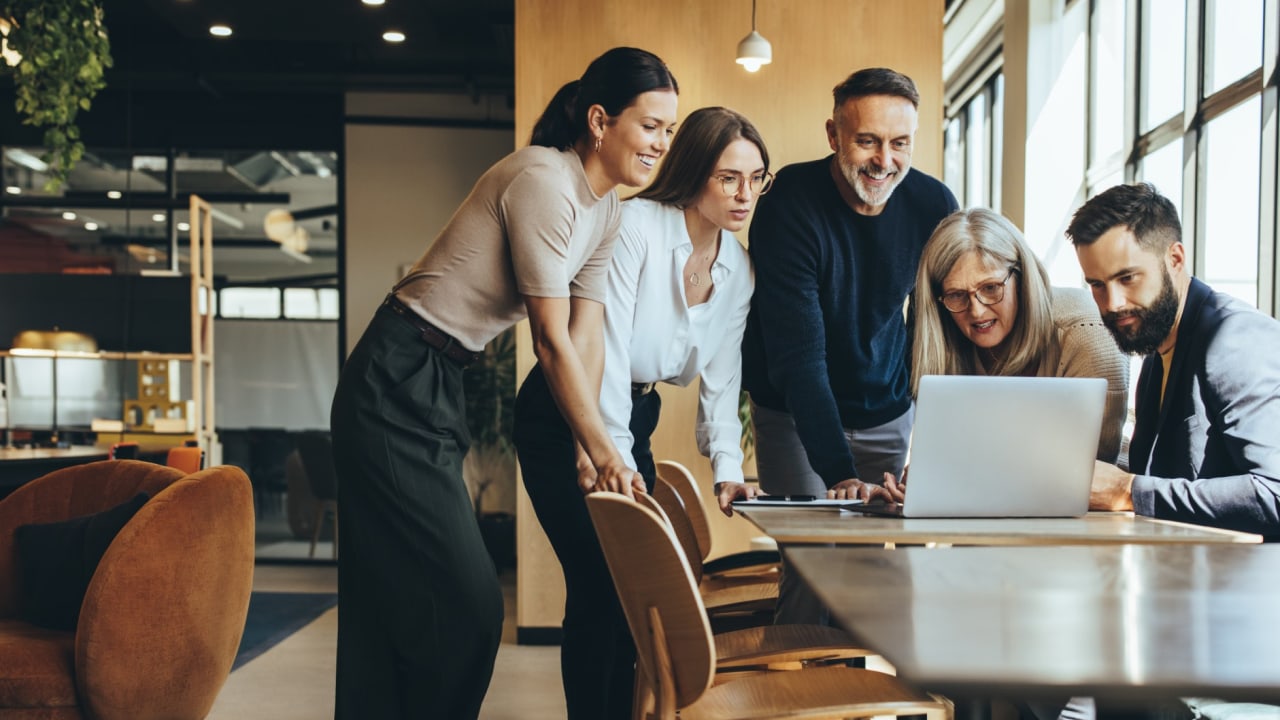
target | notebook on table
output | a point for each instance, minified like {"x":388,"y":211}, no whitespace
{"x":991,"y":447}
{"x":792,"y":501}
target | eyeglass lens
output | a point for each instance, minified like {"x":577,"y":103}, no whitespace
{"x":759,"y":184}
{"x":987,"y":294}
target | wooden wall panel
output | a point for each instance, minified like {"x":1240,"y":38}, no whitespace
{"x":816,"y":44}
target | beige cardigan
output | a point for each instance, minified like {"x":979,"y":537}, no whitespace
{"x":1084,"y":347}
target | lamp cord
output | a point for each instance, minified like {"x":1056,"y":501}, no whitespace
{"x":753,"y":15}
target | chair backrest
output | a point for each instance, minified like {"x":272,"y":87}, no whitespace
{"x":674,"y":509}
{"x":187,"y":459}
{"x":668,"y":622}
{"x":166,"y":607}
{"x":686,"y":485}
{"x":315,"y":450}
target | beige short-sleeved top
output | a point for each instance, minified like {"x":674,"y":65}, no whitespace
{"x":530,"y":227}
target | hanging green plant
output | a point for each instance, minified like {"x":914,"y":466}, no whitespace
{"x":64,"y":52}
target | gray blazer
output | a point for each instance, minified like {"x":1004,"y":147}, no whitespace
{"x":1211,"y":454}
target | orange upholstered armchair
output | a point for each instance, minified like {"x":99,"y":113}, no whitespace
{"x":164,"y":611}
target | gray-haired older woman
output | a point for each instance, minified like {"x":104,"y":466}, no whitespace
{"x":984,"y":307}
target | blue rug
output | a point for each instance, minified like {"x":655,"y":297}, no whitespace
{"x":274,"y":616}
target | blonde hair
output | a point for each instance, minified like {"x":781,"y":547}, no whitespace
{"x":939,"y":348}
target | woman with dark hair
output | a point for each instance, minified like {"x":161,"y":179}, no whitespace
{"x":421,"y":604}
{"x":679,"y":291}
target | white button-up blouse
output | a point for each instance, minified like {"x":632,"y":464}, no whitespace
{"x":652,"y":335}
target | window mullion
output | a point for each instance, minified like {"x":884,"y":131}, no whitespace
{"x":1195,"y":162}
{"x":1132,"y":84}
{"x":1269,"y":185}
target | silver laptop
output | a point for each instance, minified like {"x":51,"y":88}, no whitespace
{"x":1001,"y":447}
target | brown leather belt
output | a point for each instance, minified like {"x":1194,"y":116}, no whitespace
{"x":432,"y":335}
{"x":639,"y":389}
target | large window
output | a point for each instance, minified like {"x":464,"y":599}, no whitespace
{"x":1179,"y":98}
{"x":974,"y":138}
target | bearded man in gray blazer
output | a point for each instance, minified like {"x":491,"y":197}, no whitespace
{"x":1206,"y":444}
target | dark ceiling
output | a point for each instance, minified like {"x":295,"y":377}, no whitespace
{"x":305,"y":46}
{"x":261,"y":111}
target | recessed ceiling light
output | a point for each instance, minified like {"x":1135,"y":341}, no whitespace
{"x":13,"y":190}
{"x":114,"y":194}
{"x":184,"y":226}
{"x":373,"y":2}
{"x":91,"y":226}
{"x":68,"y":215}
{"x":393,"y":36}
{"x":158,"y":217}
{"x":220,"y":30}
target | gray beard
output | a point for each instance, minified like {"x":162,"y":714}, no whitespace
{"x":852,"y":175}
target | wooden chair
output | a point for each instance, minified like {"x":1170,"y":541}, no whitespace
{"x":726,"y":602}
{"x":188,"y":459}
{"x":677,"y":654}
{"x":315,"y":450}
{"x":675,"y":512}
{"x":754,"y":562}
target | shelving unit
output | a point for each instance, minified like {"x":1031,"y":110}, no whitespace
{"x":201,"y":356}
{"x":201,"y":251}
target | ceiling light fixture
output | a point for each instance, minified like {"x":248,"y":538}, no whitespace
{"x":158,"y":217}
{"x":220,"y":30}
{"x":373,"y":2}
{"x":13,"y":190}
{"x":754,"y":50}
{"x":183,"y":227}
{"x":115,"y":194}
{"x":68,"y":215}
{"x":393,"y":36}
{"x":91,"y":226}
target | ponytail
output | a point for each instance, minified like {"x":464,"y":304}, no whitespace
{"x":555,"y":127}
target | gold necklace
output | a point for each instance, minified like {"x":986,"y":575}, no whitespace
{"x":695,"y":279}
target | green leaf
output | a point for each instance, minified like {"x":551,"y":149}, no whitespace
{"x":65,"y":48}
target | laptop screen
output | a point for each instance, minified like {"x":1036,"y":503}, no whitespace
{"x":1003,"y":446}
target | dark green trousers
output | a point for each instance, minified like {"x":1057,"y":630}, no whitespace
{"x":419,"y":605}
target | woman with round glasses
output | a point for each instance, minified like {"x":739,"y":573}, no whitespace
{"x":678,"y":293}
{"x":984,"y":306}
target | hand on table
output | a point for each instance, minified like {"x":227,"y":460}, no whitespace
{"x":1112,"y":488}
{"x":897,"y":489}
{"x":855,"y":489}
{"x":727,"y":492}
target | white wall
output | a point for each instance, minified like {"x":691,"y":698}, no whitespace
{"x":403,"y":183}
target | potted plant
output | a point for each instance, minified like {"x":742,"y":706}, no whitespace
{"x":57,"y":52}
{"x":490,"y":466}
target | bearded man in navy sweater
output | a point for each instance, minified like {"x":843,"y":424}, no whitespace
{"x":835,"y":246}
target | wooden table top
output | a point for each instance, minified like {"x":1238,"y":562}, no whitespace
{"x":1115,"y":621}
{"x":825,"y":525}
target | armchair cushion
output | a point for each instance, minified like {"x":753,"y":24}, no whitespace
{"x":58,"y":559}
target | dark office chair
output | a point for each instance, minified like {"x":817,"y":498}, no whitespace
{"x":315,"y":449}
{"x":123,"y":451}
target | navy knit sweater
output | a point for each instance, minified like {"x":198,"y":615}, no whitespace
{"x":826,"y":340}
